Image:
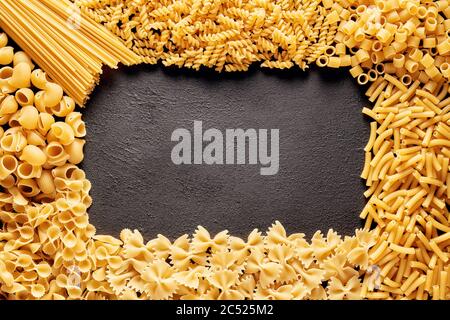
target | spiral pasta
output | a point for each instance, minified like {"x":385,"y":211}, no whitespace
{"x":48,"y":249}
{"x":225,"y":36}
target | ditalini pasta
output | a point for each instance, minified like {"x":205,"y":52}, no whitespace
{"x":399,"y":48}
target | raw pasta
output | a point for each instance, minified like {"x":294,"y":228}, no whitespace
{"x":228,"y":36}
{"x":72,"y":48}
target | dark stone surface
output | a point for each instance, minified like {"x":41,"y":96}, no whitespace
{"x":130,"y":120}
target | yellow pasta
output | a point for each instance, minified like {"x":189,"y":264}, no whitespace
{"x":9,"y":105}
{"x":53,"y":93}
{"x":75,"y":151}
{"x":84,"y":51}
{"x":62,"y":132}
{"x":21,"y":76}
{"x":38,"y":79}
{"x":6,"y":54}
{"x":45,"y":182}
{"x":29,"y":117}
{"x":24,"y":96}
{"x":33,"y":155}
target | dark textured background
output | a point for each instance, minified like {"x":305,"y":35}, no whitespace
{"x":130,"y":120}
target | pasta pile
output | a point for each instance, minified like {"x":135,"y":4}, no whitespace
{"x":399,"y":48}
{"x":403,"y":49}
{"x":70,"y":47}
{"x":224,"y":35}
{"x":48,"y":249}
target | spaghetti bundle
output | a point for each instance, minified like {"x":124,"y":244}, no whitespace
{"x":70,"y":47}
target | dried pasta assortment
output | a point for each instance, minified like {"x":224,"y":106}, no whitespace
{"x":400,"y":48}
{"x":70,"y":47}
{"x":48,"y":249}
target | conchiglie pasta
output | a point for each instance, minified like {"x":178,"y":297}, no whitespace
{"x":9,"y":105}
{"x":45,"y":182}
{"x":64,"y":107}
{"x":21,"y":76}
{"x":77,"y":124}
{"x":25,"y":96}
{"x":39,"y":79}
{"x":53,"y":93}
{"x":62,"y":132}
{"x":33,"y":155}
{"x":56,"y":155}
{"x":29,"y":117}
{"x":6,"y":55}
{"x":75,"y":151}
